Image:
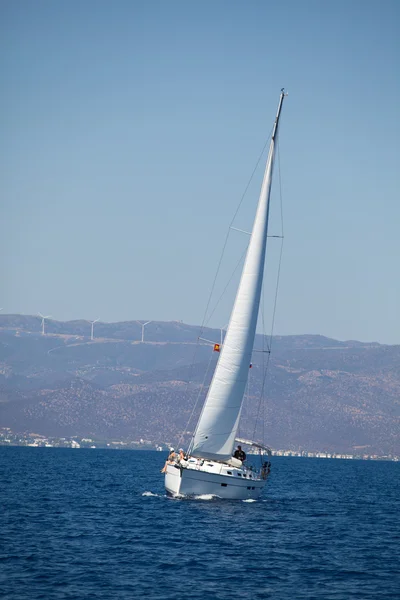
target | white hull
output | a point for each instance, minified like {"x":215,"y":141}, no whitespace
{"x":194,"y":482}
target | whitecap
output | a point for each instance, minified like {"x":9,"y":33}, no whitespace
{"x":206,"y":497}
{"x":149,"y":494}
{"x":249,"y":500}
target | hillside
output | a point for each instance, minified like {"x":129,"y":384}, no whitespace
{"x":321,"y":393}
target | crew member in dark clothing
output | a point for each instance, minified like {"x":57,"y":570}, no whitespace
{"x":240,"y":454}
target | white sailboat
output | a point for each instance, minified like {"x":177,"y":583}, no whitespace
{"x":209,"y":467}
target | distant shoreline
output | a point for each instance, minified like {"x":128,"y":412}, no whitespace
{"x":275,"y":453}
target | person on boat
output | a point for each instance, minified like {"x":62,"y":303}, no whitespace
{"x":265,"y":470}
{"x":170,"y":460}
{"x":181,"y":454}
{"x":240,"y":454}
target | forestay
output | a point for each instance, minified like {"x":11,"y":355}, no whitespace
{"x":215,"y":434}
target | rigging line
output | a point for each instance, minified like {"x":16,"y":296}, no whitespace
{"x":226,"y":287}
{"x":263,"y":366}
{"x":271,"y":337}
{"x":262,"y":394}
{"x":276,"y":296}
{"x":204,"y":324}
{"x":272,"y":328}
{"x":251,"y":177}
{"x":280,"y":187}
{"x":230,"y":224}
{"x":263,"y":320}
{"x":263,"y":414}
{"x":196,"y":349}
{"x":260,"y":399}
{"x":281,"y":251}
{"x":246,"y":402}
{"x":277,"y":285}
{"x":197,"y":399}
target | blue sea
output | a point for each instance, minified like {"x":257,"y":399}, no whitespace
{"x":96,"y":524}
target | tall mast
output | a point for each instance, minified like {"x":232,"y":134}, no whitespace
{"x":216,"y":430}
{"x":278,"y":114}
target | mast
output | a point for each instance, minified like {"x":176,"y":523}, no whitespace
{"x":216,"y":430}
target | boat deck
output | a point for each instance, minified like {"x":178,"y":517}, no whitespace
{"x":218,"y":468}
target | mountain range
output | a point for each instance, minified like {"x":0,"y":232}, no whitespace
{"x":317,"y":393}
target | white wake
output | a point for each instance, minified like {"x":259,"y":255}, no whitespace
{"x":206,"y":497}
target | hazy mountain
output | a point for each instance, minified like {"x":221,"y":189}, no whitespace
{"x":320,"y":393}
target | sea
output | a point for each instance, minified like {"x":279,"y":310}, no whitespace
{"x":96,"y":524}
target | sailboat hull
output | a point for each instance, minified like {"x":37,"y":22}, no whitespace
{"x":191,"y":483}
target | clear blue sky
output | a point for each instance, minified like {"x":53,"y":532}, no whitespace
{"x":130,"y":130}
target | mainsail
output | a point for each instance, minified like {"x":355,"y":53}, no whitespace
{"x":216,"y":430}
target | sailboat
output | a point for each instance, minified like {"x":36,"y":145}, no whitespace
{"x":209,"y":466}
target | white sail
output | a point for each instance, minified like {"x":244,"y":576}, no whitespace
{"x":215,"y":434}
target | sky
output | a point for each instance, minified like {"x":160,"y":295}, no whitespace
{"x":130,"y":131}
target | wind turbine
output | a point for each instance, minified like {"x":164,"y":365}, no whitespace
{"x":43,"y":320}
{"x":92,"y":324}
{"x":143,"y":325}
